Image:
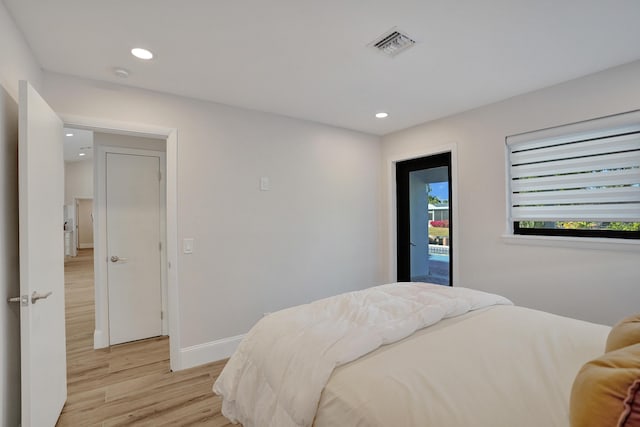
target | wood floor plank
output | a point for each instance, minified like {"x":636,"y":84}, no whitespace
{"x":128,"y":384}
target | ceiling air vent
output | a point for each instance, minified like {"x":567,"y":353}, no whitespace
{"x":392,"y":42}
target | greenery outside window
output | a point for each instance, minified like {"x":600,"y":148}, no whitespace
{"x":581,"y":179}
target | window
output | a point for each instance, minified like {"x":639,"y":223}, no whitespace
{"x":581,"y":179}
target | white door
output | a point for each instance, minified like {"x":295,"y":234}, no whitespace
{"x":41,"y":197}
{"x":133,"y":210}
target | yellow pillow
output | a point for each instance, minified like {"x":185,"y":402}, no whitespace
{"x":606,"y":391}
{"x":624,"y":333}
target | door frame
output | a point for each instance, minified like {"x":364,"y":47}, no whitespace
{"x":170,"y":135}
{"x":392,"y":208}
{"x":101,"y":237}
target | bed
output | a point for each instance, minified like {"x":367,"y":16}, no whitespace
{"x":408,"y":354}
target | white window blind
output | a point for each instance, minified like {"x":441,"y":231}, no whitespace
{"x":587,"y":171}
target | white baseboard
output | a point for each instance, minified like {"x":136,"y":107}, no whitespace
{"x":99,"y":339}
{"x":208,"y":352}
{"x":85,"y":245}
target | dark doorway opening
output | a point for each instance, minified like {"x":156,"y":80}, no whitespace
{"x":424,"y":212}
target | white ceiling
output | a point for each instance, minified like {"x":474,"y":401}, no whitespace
{"x":77,"y":141}
{"x":309,"y":59}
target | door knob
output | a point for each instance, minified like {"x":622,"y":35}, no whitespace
{"x":115,"y":258}
{"x":35,"y":296}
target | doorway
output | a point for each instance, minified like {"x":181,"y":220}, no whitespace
{"x":130,"y":233}
{"x":130,"y":198}
{"x":84,"y":217}
{"x":145,"y":139}
{"x":424,"y":226}
{"x":156,"y":137}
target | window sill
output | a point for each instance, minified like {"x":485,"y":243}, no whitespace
{"x":626,"y":245}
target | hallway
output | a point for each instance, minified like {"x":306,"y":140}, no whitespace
{"x":127,"y":384}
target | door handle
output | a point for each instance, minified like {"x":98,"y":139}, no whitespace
{"x":24,"y":299}
{"x":116,"y":258}
{"x":35,"y":296}
{"x":412,"y":244}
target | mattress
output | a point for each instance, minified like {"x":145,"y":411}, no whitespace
{"x":498,"y":366}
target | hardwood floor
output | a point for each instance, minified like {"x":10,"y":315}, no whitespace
{"x":127,"y":384}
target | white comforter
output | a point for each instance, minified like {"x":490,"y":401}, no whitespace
{"x":276,"y":376}
{"x":503,"y":366}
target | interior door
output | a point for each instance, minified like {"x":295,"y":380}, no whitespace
{"x":42,"y":322}
{"x":425,"y":233}
{"x":133,"y":209}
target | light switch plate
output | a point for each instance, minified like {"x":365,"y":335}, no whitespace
{"x":187,"y":246}
{"x":264,"y":183}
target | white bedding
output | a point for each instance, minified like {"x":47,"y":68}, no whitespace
{"x":502,"y":366}
{"x":276,"y":376}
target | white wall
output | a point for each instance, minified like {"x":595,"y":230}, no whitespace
{"x":78,"y":175}
{"x":78,"y":180}
{"x":16,"y":62}
{"x":129,"y":141}
{"x":314,"y":234}
{"x":596,"y":285}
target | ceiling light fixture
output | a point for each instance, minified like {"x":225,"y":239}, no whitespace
{"x":68,"y":134}
{"x":82,"y":154}
{"x":382,"y":115}
{"x":141,"y":53}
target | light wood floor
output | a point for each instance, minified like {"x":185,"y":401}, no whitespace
{"x":127,"y":384}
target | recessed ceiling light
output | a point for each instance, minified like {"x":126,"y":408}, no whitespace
{"x":141,"y":53}
{"x":382,"y":115}
{"x":68,"y":134}
{"x":82,"y":154}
